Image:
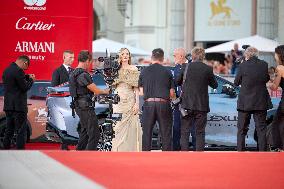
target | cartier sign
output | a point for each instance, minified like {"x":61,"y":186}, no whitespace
{"x":23,"y":24}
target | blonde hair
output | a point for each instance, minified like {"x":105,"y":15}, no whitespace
{"x":250,"y":52}
{"x":198,"y":53}
{"x":120,"y":54}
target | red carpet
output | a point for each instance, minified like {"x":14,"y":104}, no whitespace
{"x":177,"y":170}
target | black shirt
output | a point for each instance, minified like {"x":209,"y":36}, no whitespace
{"x":156,"y":81}
{"x":83,"y":79}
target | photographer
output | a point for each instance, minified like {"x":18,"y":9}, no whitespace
{"x":195,"y":99}
{"x":253,"y":98}
{"x":16,"y":85}
{"x":82,"y":90}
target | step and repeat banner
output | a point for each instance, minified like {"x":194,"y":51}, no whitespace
{"x":42,"y":30}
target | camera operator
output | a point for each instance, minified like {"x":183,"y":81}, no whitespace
{"x":82,"y":90}
{"x":195,"y":99}
{"x":16,"y":85}
{"x":253,"y":98}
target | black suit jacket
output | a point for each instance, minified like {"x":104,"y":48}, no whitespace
{"x":16,"y":85}
{"x":253,"y":75}
{"x":195,"y":88}
{"x":59,"y":76}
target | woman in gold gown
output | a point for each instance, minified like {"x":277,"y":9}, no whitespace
{"x":128,"y":132}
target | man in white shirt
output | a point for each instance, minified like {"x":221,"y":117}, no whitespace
{"x":61,"y":74}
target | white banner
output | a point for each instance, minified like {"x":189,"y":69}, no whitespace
{"x":222,"y":20}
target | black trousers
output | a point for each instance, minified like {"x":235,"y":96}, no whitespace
{"x":278,"y":129}
{"x":161,"y":112}
{"x":16,"y":123}
{"x":259,"y":117}
{"x":199,"y":120}
{"x":89,"y":133}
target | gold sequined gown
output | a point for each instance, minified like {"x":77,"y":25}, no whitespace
{"x":128,"y":131}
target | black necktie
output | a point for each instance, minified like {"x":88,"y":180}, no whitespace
{"x":70,"y":70}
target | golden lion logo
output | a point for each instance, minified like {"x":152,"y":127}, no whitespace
{"x":219,"y":8}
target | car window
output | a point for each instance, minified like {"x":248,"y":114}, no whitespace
{"x":221,"y":81}
{"x":38,"y":90}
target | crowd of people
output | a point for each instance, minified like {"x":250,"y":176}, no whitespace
{"x":158,"y":87}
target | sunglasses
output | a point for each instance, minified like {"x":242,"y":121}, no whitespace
{"x":27,"y":63}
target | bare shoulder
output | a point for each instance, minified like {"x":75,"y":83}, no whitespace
{"x":280,"y":70}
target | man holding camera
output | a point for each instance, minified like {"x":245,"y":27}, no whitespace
{"x":253,"y":98}
{"x":16,"y":85}
{"x":195,"y":99}
{"x":156,"y":83}
{"x":82,"y":90}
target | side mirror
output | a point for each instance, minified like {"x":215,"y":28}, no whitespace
{"x":229,"y":90}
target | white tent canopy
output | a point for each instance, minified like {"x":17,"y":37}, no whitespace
{"x":264,"y":45}
{"x":100,"y":45}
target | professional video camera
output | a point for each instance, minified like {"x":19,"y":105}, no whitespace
{"x":110,"y":69}
{"x":110,"y":73}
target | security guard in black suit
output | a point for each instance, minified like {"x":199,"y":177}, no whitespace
{"x":61,"y":74}
{"x":16,"y":85}
{"x":253,"y":98}
{"x":82,"y":90}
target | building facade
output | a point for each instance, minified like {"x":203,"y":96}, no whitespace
{"x":169,"y":24}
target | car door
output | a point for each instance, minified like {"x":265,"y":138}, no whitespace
{"x":37,"y":110}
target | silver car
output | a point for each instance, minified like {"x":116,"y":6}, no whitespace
{"x":61,"y":125}
{"x":221,"y":129}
